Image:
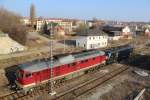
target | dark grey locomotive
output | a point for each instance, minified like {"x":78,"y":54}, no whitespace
{"x":118,"y":54}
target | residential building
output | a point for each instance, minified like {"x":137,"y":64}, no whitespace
{"x":57,"y":29}
{"x":64,"y":23}
{"x":126,"y":32}
{"x":26,"y":21}
{"x":118,"y":32}
{"x":92,"y":39}
{"x":114,"y":33}
{"x":147,"y":32}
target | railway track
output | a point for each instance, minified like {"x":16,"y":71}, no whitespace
{"x":73,"y":92}
{"x":89,"y":85}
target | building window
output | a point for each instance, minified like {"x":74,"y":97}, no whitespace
{"x":28,"y":75}
{"x":90,"y":38}
{"x":91,"y":46}
{"x":93,"y":38}
{"x":84,"y":45}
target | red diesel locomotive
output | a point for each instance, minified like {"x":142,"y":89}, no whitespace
{"x":32,"y":74}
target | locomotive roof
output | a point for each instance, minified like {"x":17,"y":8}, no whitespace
{"x":119,"y":48}
{"x":35,"y":66}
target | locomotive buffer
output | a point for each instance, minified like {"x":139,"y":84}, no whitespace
{"x":51,"y":81}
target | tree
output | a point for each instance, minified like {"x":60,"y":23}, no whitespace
{"x":11,"y":23}
{"x":19,"y":34}
{"x":97,"y":22}
{"x":45,"y":29}
{"x":32,"y":15}
{"x":82,"y":28}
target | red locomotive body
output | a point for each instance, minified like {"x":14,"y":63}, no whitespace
{"x":34,"y":73}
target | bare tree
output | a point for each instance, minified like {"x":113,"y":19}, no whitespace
{"x":82,"y":28}
{"x":32,"y":15}
{"x":11,"y":23}
{"x":8,"y":20}
{"x":45,"y":29}
{"x":97,"y":22}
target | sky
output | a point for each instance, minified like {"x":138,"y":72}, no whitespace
{"x":119,"y":10}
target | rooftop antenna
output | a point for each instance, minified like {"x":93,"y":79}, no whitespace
{"x":51,"y":91}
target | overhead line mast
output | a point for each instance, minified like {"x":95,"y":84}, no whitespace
{"x":51,"y":91}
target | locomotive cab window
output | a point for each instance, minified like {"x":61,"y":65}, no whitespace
{"x":72,"y":64}
{"x":28,"y":75}
{"x":94,"y":58}
{"x":19,"y":74}
{"x":82,"y":61}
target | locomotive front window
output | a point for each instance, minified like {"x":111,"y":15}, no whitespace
{"x":28,"y":75}
{"x":19,"y":74}
{"x":94,"y":58}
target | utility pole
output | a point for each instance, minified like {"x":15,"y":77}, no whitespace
{"x":64,"y":45}
{"x":51,"y":91}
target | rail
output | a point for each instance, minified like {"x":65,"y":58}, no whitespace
{"x":90,"y":84}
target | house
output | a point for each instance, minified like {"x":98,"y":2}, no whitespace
{"x":57,"y":29}
{"x":92,"y":39}
{"x":117,"y":32}
{"x":126,"y":32}
{"x":26,"y":21}
{"x":114,"y":33}
{"x":147,"y":32}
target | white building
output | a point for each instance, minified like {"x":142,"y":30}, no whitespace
{"x":26,"y":21}
{"x":126,"y":31}
{"x":92,"y":40}
{"x":147,"y":30}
